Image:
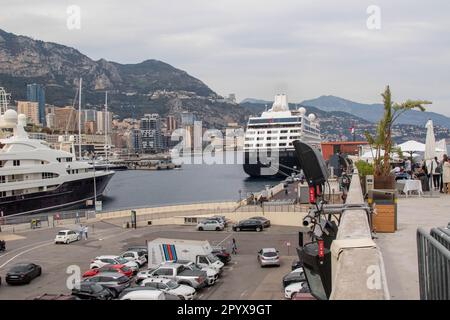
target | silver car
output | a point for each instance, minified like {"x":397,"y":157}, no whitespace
{"x":268,"y":257}
{"x":210,"y":225}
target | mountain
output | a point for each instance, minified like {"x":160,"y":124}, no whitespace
{"x":256,"y":101}
{"x":373,"y":112}
{"x":134,"y":89}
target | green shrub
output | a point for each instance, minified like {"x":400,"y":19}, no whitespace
{"x":364,"y":168}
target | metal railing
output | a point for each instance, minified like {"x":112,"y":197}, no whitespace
{"x":434,"y":267}
{"x":442,"y":235}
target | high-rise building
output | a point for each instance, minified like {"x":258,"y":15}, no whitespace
{"x":66,"y":119}
{"x":30,"y":109}
{"x":187,"y":118}
{"x":101,"y":122}
{"x":171,"y":123}
{"x":36,"y":93}
{"x":151,"y":133}
{"x":135,"y":140}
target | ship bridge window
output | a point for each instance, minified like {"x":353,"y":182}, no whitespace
{"x":283,"y":138}
{"x":49,"y":175}
{"x":282,"y":144}
{"x":294,"y":137}
{"x":283,"y":131}
{"x":294,"y":131}
{"x":2,"y":163}
{"x":248,"y":145}
{"x":16,"y":163}
{"x":2,"y":179}
{"x":249,"y":139}
{"x":2,"y":194}
{"x":260,"y":138}
{"x":261,"y":132}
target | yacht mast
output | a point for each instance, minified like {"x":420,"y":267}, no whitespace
{"x":106,"y":127}
{"x":79,"y":120}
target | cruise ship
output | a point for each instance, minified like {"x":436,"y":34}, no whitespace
{"x":268,"y":147}
{"x":35,"y":178}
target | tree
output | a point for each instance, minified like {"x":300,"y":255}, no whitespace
{"x":383,"y":139}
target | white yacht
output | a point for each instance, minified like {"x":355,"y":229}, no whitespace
{"x":268,"y":147}
{"x":36,"y":178}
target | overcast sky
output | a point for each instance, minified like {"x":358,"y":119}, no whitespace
{"x":257,"y":48}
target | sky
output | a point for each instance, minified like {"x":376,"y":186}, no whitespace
{"x":258,"y":48}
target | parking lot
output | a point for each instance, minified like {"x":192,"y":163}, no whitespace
{"x":242,"y":279}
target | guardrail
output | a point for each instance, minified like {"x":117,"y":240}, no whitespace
{"x":357,"y":263}
{"x":434,"y":265}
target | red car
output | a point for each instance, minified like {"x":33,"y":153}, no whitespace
{"x":109,"y":268}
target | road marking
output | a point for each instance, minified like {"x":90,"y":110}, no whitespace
{"x":18,"y":249}
{"x":23,"y":252}
{"x":224,"y":239}
{"x":244,"y":293}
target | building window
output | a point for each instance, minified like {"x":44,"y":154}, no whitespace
{"x":282,"y":144}
{"x":284,"y":131}
{"x":16,"y":163}
{"x":2,"y":179}
{"x":3,"y":194}
{"x":283,"y":138}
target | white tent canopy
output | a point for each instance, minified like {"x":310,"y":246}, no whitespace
{"x":412,"y":146}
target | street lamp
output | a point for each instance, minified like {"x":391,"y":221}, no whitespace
{"x":240,"y":197}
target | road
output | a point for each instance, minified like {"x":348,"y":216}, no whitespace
{"x":242,"y":279}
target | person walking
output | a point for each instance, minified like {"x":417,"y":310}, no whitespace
{"x":446,"y":174}
{"x":86,"y":232}
{"x":233,"y":246}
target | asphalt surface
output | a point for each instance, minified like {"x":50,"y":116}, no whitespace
{"x":242,"y":279}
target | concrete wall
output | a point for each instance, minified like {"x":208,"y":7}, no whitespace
{"x":357,"y":264}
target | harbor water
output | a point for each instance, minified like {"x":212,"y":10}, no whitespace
{"x":194,"y":183}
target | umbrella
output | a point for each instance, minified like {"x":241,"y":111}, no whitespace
{"x":441,"y":149}
{"x":412,"y":146}
{"x":430,"y":142}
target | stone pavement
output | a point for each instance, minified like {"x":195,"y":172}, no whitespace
{"x":399,"y":249}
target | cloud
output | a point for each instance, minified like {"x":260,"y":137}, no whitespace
{"x":256,"y":48}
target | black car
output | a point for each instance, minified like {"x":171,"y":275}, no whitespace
{"x":295,"y":276}
{"x":249,"y":224}
{"x":221,"y":253}
{"x":265,"y":222}
{"x":92,"y":291}
{"x":23,"y":273}
{"x":114,"y":281}
{"x":296,"y":264}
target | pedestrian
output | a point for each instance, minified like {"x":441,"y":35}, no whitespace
{"x":441,"y":171}
{"x":436,"y":173}
{"x":233,"y":246}
{"x":81,"y":231}
{"x":86,"y":232}
{"x":446,"y":174}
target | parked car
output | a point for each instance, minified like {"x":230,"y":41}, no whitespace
{"x":114,"y":281}
{"x":268,"y":257}
{"x":265,"y":221}
{"x":182,"y":291}
{"x":221,"y":253}
{"x":210,"y":225}
{"x":221,"y":219}
{"x":102,"y":261}
{"x":119,"y":268}
{"x":296,"y":264}
{"x":67,"y":236}
{"x":178,"y":272}
{"x":47,"y":296}
{"x":144,"y":293}
{"x":139,"y":248}
{"x":92,"y":291}
{"x":298,"y":275}
{"x":249,"y":224}
{"x":294,"y":288}
{"x":23,"y":273}
{"x":136,"y":256}
{"x":211,"y":274}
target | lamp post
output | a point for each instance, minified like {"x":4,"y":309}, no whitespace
{"x":240,"y":195}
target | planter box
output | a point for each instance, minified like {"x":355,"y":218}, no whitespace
{"x":384,"y":182}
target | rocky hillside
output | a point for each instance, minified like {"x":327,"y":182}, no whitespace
{"x":135,"y":89}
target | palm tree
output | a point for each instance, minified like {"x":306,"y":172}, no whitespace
{"x":383,"y":138}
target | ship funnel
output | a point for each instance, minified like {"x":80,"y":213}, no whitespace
{"x":280,"y":103}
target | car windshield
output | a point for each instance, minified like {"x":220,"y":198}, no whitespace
{"x":121,"y":260}
{"x":172,"y":284}
{"x":212,"y":258}
{"x":19,"y":268}
{"x":270,"y":254}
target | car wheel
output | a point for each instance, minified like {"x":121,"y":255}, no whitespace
{"x":217,"y":229}
{"x":200,"y":229}
{"x":78,"y":238}
{"x":181,"y":297}
{"x":40,"y":272}
{"x":258,"y":229}
{"x":67,"y":241}
{"x":238,"y":229}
